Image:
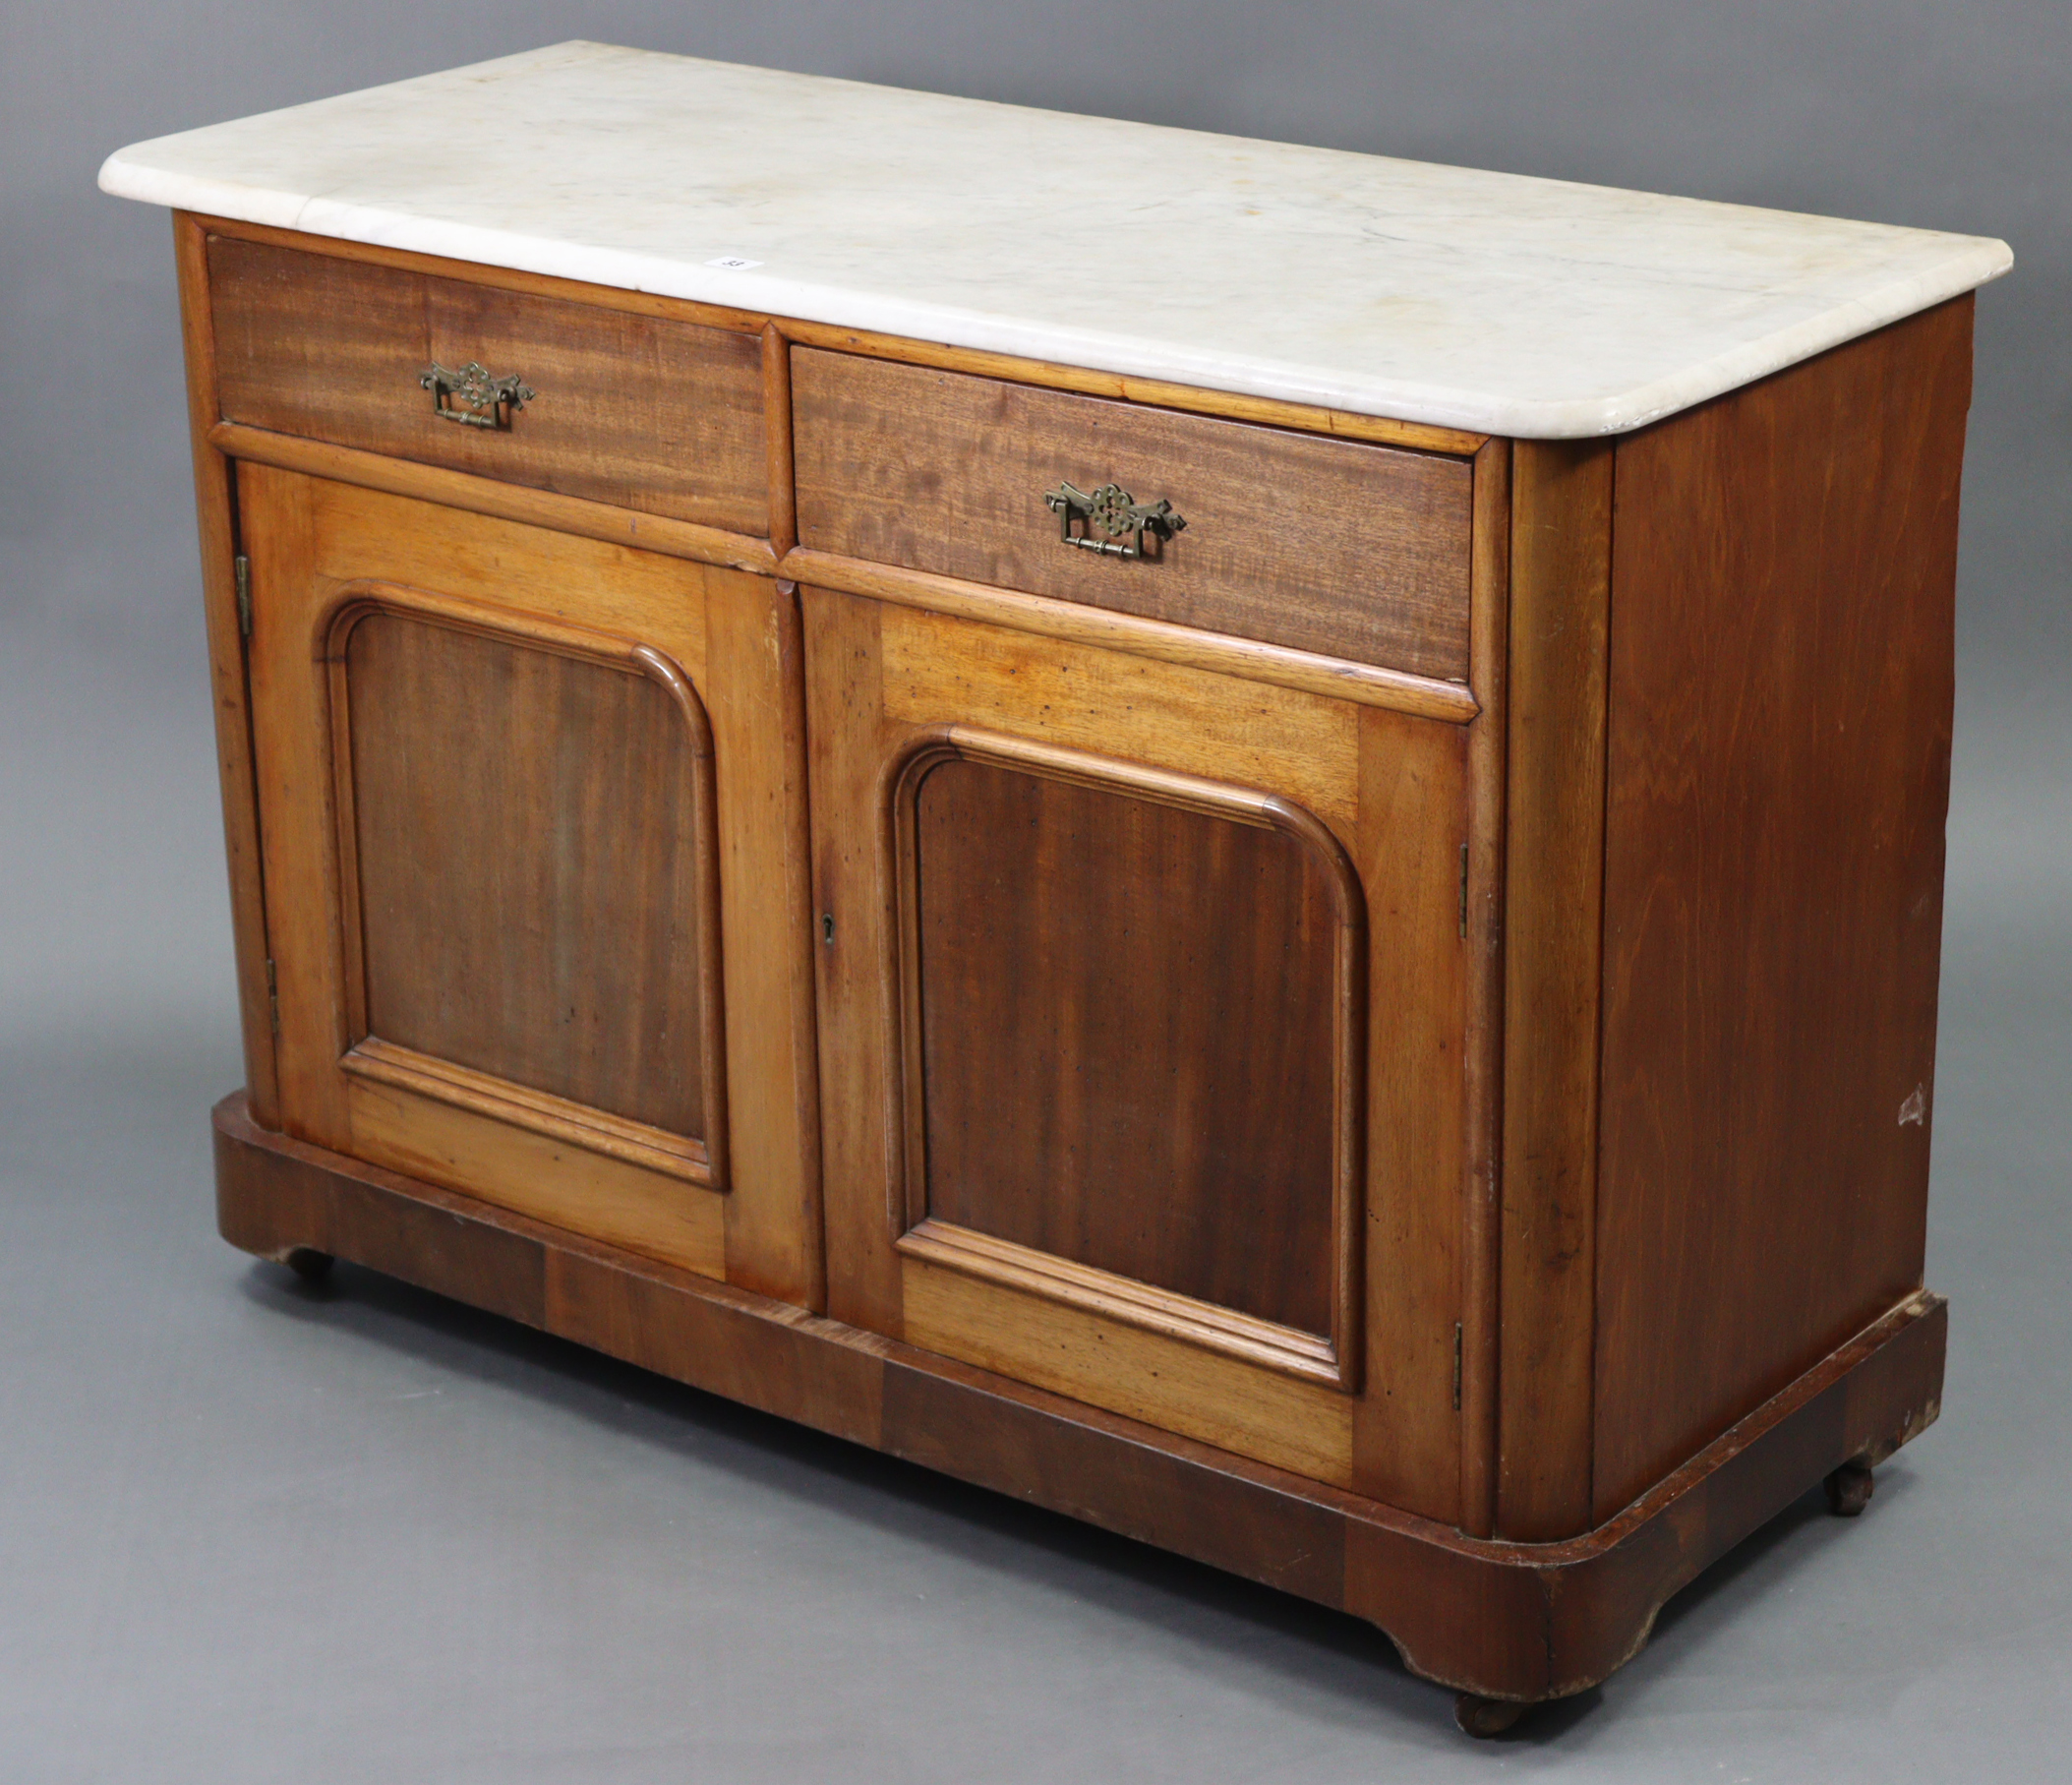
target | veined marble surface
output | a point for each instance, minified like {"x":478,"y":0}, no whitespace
{"x":1467,"y":299}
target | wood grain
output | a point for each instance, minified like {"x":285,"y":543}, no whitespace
{"x":299,"y":821}
{"x":1481,"y":932}
{"x":1076,"y":623}
{"x":216,"y":512}
{"x":1316,"y":545}
{"x":1151,"y":393}
{"x":534,"y":1172}
{"x":1783,"y":572}
{"x":1561,"y":546}
{"x":560,"y":1118}
{"x":756,"y":668}
{"x":1127,"y":1051}
{"x":1413,"y":822}
{"x":697,"y":639}
{"x":661,"y":417}
{"x":1031,"y":1335}
{"x":1131,"y":1302}
{"x":855,"y":923}
{"x":1521,"y":1620}
{"x":1304,"y":747}
{"x":1757,"y":894}
{"x":777,"y":435}
{"x":531,"y":897}
{"x":500,"y":500}
{"x":539,"y":876}
{"x":886,"y":682}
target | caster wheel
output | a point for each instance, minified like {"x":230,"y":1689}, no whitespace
{"x":309,"y":1264}
{"x":1485,"y":1717}
{"x":1848,"y":1489}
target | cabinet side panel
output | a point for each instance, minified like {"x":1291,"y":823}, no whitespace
{"x":1784,"y":565}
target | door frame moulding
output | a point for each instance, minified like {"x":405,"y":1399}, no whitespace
{"x":699,"y":1160}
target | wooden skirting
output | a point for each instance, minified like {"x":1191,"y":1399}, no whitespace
{"x":1504,"y":1620}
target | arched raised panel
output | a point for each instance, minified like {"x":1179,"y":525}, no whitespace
{"x":525,"y":837}
{"x":1132,"y":1051}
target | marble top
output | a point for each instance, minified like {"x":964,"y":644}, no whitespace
{"x":1446,"y":295}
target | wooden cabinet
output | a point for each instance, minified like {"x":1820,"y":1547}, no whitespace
{"x":1350,"y":995}
{"x":1262,"y":998}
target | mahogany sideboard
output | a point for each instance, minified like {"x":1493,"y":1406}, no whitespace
{"x":1284,"y":896}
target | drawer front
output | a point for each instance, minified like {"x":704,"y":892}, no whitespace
{"x":1330,"y":546}
{"x":645,"y":413}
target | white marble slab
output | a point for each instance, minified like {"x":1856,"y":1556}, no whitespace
{"x":1468,"y":299}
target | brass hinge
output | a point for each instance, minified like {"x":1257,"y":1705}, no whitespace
{"x":1463,"y":892}
{"x":274,"y":996}
{"x":1457,"y":1366}
{"x":241,"y":567}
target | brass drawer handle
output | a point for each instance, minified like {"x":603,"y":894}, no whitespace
{"x":1111,"y":521}
{"x":482,"y":401}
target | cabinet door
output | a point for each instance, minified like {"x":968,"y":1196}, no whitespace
{"x":533,"y":821}
{"x":1142,"y":1001}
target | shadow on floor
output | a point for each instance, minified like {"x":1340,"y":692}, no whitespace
{"x":1329,"y":1652}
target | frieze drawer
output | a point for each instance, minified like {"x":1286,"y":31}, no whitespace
{"x":660,"y":416}
{"x":1330,"y":546}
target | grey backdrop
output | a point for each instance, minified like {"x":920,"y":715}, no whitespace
{"x":248,"y":1531}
